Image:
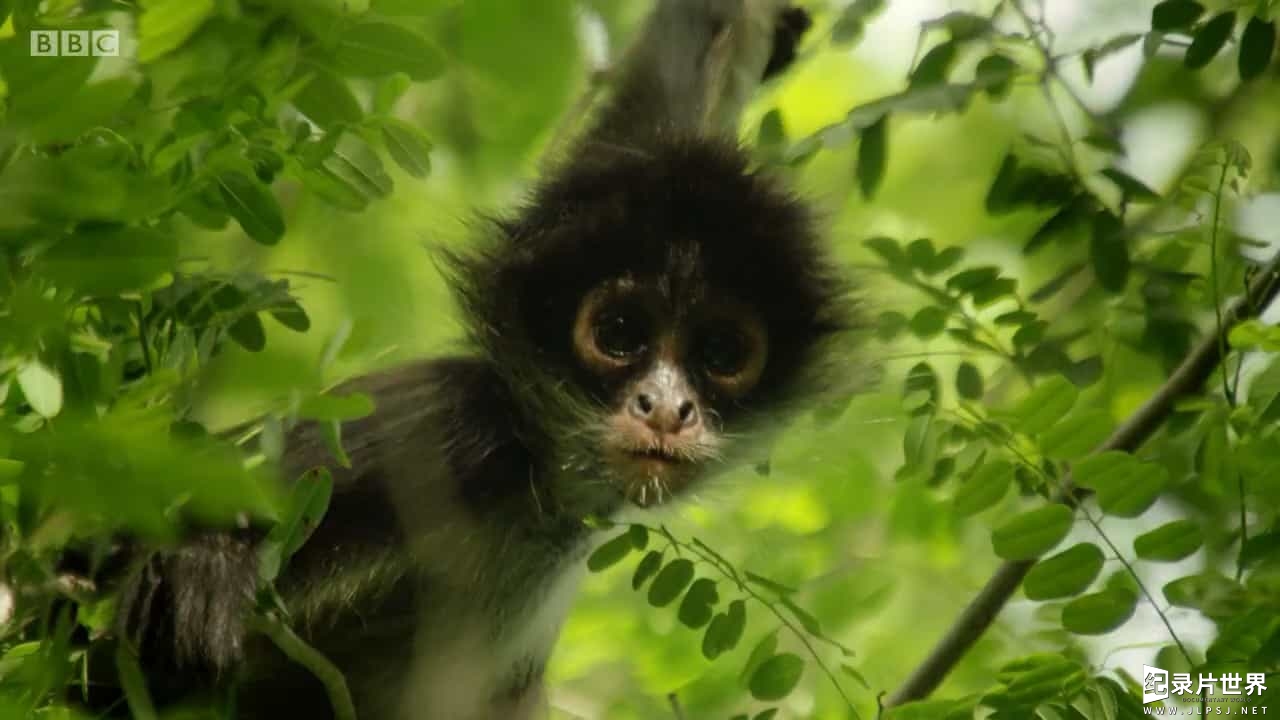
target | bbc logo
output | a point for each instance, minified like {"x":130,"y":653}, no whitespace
{"x":75,"y":43}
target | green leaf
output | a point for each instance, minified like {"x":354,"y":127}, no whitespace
{"x":934,"y":66}
{"x":944,"y":260}
{"x":1061,"y":225}
{"x":307,"y":503}
{"x":1029,"y":681}
{"x":291,"y":315}
{"x":984,"y":488}
{"x":921,"y":253}
{"x":253,"y":206}
{"x":889,"y":325}
{"x":639,"y":536}
{"x":408,"y":146}
{"x":248,"y":332}
{"x":1175,"y":14}
{"x":1257,"y":45}
{"x":995,"y":74}
{"x":967,"y":281}
{"x":806,"y":619}
{"x":1170,"y":542}
{"x":357,"y":165}
{"x":697,"y":607}
{"x":382,"y":48}
{"x":776,"y":677}
{"x":1065,"y":574}
{"x":328,"y":101}
{"x":1211,"y":593}
{"x":149,"y":473}
{"x":890,"y":251}
{"x":1252,"y":334}
{"x":772,"y":133}
{"x":928,"y":322}
{"x":1245,"y":638}
{"x":922,"y":378}
{"x":1047,"y":403}
{"x":1032,"y":533}
{"x":166,"y":24}
{"x":1109,"y":252}
{"x":41,"y":387}
{"x":1256,"y":549}
{"x":95,"y":104}
{"x":770,"y":585}
{"x":962,"y":26}
{"x":1209,"y":39}
{"x":969,"y":381}
{"x":331,"y":188}
{"x":646,"y":568}
{"x":670,"y":582}
{"x":342,"y":408}
{"x":1077,"y":434}
{"x":610,"y":553}
{"x":108,"y":260}
{"x":1125,"y":487}
{"x":1133,"y":188}
{"x":331,"y":433}
{"x":725,"y":631}
{"x":1099,"y":613}
{"x":764,"y":649}
{"x":1000,"y":194}
{"x":853,"y":19}
{"x":872,"y":156}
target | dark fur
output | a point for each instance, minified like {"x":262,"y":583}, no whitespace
{"x":473,"y":446}
{"x":683,"y":213}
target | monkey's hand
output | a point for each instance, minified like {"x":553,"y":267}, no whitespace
{"x":696,"y":63}
{"x":184,"y":609}
{"x":712,"y":54}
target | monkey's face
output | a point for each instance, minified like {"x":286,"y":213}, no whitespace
{"x":668,"y":371}
{"x":657,"y":315}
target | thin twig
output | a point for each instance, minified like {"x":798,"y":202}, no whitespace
{"x":297,"y":650}
{"x":1142,"y":587}
{"x":676,"y":710}
{"x":1227,"y":390}
{"x":1188,"y":379}
{"x":134,"y":683}
{"x":709,"y":556}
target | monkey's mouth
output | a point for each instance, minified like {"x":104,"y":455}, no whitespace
{"x":651,"y":475}
{"x":661,"y":455}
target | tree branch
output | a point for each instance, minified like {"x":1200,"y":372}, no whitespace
{"x":1187,"y":379}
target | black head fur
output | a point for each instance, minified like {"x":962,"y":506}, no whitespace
{"x":686,"y":214}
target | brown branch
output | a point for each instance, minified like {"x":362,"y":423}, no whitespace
{"x":1187,"y":379}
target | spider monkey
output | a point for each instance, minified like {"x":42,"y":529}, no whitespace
{"x":641,"y":322}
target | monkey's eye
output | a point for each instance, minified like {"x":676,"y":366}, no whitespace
{"x":621,"y":332}
{"x":723,"y":350}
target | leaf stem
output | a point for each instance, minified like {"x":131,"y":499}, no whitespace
{"x":297,"y":650}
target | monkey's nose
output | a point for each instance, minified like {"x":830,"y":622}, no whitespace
{"x":668,"y":413}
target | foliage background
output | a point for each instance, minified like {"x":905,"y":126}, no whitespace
{"x":135,"y":192}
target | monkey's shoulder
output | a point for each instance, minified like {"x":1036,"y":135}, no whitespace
{"x":442,"y":441}
{"x":454,"y":410}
